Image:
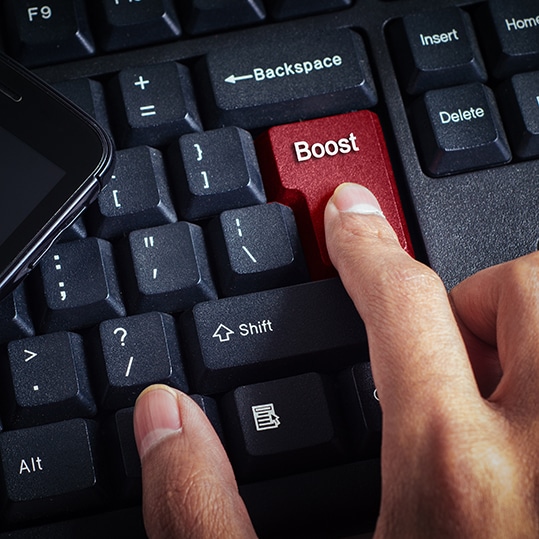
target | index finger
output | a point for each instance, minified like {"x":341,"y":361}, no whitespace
{"x":418,"y":357}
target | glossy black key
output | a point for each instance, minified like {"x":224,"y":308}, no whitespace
{"x":270,"y":334}
{"x":283,"y":425}
{"x":288,"y":9}
{"x":459,"y":129}
{"x":257,"y":248}
{"x":79,"y":285}
{"x":15,"y":321}
{"x":215,"y":171}
{"x":50,"y":469}
{"x":89,"y":95}
{"x":156,"y":104}
{"x":169,"y":269}
{"x":136,"y":197}
{"x":48,"y":32}
{"x":285,"y":78}
{"x":201,"y":16}
{"x":124,"y":23}
{"x":361,"y":405}
{"x":511,"y":35}
{"x":436,"y":49}
{"x":47,"y":380}
{"x":518,"y":98}
{"x":135,"y":352}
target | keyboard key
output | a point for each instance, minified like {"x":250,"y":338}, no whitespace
{"x":518,"y":98}
{"x":303,"y":163}
{"x":270,"y":334}
{"x":126,"y":522}
{"x":124,"y":23}
{"x":288,"y":9}
{"x":210,"y":408}
{"x":257,"y":248}
{"x":50,"y":469}
{"x":77,"y":231}
{"x":135,"y":352}
{"x":285,"y":78}
{"x":48,"y":32}
{"x":48,"y":380}
{"x":124,"y":461}
{"x":170,"y":270}
{"x":436,"y":49}
{"x":79,"y":285}
{"x":511,"y":35}
{"x":459,"y":129}
{"x":201,"y":16}
{"x":283,"y":425}
{"x":136,"y":197}
{"x":215,"y":171}
{"x":327,"y":502}
{"x":15,"y":321}
{"x":89,"y":95}
{"x":362,"y":408}
{"x":156,"y":104}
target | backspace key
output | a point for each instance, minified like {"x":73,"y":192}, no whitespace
{"x":287,"y":78}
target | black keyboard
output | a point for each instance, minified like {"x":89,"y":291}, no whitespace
{"x":202,"y":265}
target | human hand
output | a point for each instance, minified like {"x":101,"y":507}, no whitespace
{"x":189,"y":489}
{"x":460,"y":451}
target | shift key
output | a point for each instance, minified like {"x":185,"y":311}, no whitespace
{"x":271,"y":334}
{"x":284,"y":78}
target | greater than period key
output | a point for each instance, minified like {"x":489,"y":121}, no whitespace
{"x":303,"y":163}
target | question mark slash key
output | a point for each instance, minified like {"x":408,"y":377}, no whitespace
{"x":122,"y":332}
{"x":134,"y":352}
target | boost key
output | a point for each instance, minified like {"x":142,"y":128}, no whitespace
{"x":303,"y":163}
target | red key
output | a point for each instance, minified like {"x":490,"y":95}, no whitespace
{"x":303,"y":163}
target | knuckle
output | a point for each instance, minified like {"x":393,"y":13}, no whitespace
{"x":407,"y":281}
{"x":524,"y":271}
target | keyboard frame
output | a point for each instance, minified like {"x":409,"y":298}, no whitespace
{"x":444,"y":207}
{"x":442,"y":214}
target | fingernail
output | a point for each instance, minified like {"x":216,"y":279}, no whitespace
{"x":354,"y":198}
{"x":157,"y":416}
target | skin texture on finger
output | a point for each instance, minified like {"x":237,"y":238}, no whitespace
{"x":450,"y":464}
{"x":500,"y":306}
{"x":189,"y":488}
{"x":483,"y":359}
{"x":405,"y":309}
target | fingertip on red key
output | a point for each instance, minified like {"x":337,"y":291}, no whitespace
{"x":303,"y":163}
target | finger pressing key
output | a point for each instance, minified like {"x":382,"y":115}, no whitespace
{"x":405,"y":309}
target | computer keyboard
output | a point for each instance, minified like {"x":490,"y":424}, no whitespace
{"x":203,"y":263}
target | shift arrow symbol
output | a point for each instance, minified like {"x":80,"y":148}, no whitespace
{"x":232,"y":79}
{"x":31,"y":355}
{"x":223,"y":333}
